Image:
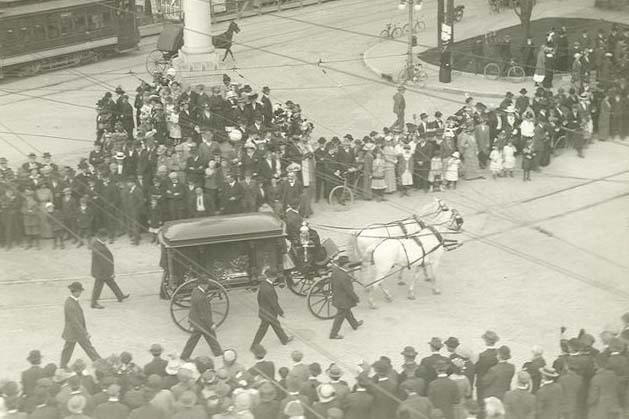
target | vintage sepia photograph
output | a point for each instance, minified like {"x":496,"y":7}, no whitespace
{"x":314,"y":209}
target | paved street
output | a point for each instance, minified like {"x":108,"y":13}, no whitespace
{"x":536,"y":255}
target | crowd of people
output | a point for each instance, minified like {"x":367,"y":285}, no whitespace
{"x":179,"y":152}
{"x":448,"y":382}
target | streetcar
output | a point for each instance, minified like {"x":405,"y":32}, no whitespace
{"x":40,"y":36}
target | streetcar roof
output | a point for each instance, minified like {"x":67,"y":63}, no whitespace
{"x":221,"y":229}
{"x":14,"y":8}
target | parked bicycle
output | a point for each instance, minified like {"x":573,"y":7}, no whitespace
{"x":513,"y":71}
{"x":414,"y":73}
{"x":391,"y":30}
{"x":341,"y":196}
{"x":419,"y":26}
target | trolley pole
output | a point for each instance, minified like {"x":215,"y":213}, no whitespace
{"x":409,"y":68}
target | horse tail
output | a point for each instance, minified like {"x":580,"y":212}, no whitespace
{"x":367,"y":257}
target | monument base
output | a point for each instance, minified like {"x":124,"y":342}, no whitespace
{"x":197,"y":66}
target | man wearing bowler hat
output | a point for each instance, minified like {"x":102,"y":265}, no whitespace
{"x":429,"y":372}
{"x":103,"y":270}
{"x":75,"y":329}
{"x":201,"y":320}
{"x":343,"y":297}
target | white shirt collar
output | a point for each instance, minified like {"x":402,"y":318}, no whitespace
{"x":74,"y":298}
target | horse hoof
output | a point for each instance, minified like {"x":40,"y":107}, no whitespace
{"x":401,"y":283}
{"x":435,"y":291}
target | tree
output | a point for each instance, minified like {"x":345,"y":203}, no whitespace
{"x":524,"y":9}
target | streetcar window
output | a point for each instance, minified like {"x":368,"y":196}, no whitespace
{"x":38,"y":33}
{"x":52,"y":29}
{"x":11,"y":37}
{"x":95,"y":22}
{"x":80,"y":25}
{"x":66,"y":24}
{"x":24,"y":35}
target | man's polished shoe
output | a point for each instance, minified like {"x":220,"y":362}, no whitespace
{"x":336,"y":337}
{"x":97,"y":306}
{"x":289,"y":340}
{"x":124,"y":297}
{"x":358,"y":324}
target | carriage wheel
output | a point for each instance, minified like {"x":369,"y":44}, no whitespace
{"x":405,"y":28}
{"x":516,"y":74}
{"x":299,"y":283}
{"x":492,"y":71}
{"x":320,"y":299}
{"x":396,"y":32}
{"x":384,"y":34}
{"x":341,"y":198}
{"x":156,"y":63}
{"x":180,"y":303}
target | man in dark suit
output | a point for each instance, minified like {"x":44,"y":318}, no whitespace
{"x":75,"y":330}
{"x":103,"y":270}
{"x":549,"y":396}
{"x":267,"y":106}
{"x":292,"y":189}
{"x":427,"y":364}
{"x":157,"y":365}
{"x":262,"y":367}
{"x":34,"y":373}
{"x":384,"y":390}
{"x":520,"y":403}
{"x":133,"y":205}
{"x":112,"y":408}
{"x":268,"y":310}
{"x":497,"y":381}
{"x":200,"y":319}
{"x":199,"y":204}
{"x":231,"y":195}
{"x":343,"y":297}
{"x":357,"y":404}
{"x":443,"y":392}
{"x":486,"y":359}
{"x":414,"y":406}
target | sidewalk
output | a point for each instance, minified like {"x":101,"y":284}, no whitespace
{"x":387,"y":57}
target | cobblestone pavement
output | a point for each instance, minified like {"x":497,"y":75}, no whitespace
{"x":536,"y":255}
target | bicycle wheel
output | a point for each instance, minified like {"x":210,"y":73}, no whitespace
{"x":420,"y":26}
{"x":405,"y":28}
{"x":384,"y":33}
{"x":492,"y":71}
{"x":396,"y":32}
{"x":559,"y":146}
{"x":516,"y":74}
{"x":341,"y":198}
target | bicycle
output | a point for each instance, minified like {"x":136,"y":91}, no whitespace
{"x":415,"y":73}
{"x":514,"y":71}
{"x":341,"y":196}
{"x":391,"y":30}
{"x":419,"y":26}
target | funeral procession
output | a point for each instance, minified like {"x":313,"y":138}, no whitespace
{"x":314,"y":209}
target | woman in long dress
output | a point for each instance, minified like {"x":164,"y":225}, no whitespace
{"x":469,"y":150}
{"x":390,"y":161}
{"x":378,"y":184}
{"x":367,"y":170}
{"x":307,"y":175}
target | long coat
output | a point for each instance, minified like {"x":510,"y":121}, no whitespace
{"x":74,"y":329}
{"x":604,"y":119}
{"x":200,"y":310}
{"x":385,"y":403}
{"x":602,"y":399}
{"x":486,"y":359}
{"x":444,"y":395}
{"x":497,"y":381}
{"x":548,"y":401}
{"x":572,"y":392}
{"x":357,"y":405}
{"x":519,"y":404}
{"x":367,"y":172}
{"x":268,"y":303}
{"x":102,"y":261}
{"x":415,"y":407}
{"x":343,"y":295}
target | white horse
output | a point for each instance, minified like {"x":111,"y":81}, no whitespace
{"x":414,"y":243}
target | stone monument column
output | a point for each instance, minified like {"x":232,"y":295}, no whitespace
{"x":197,"y":54}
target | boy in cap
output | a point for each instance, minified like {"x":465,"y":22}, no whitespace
{"x":299,"y":370}
{"x":486,"y":359}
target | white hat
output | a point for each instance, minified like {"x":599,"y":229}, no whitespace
{"x":326,"y":393}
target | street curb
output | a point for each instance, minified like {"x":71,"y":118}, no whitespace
{"x":436,"y":88}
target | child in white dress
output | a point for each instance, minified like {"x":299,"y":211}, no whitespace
{"x":495,"y":165}
{"x":508,"y":155}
